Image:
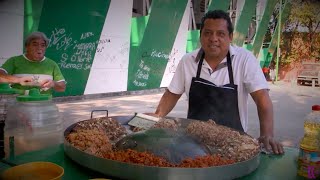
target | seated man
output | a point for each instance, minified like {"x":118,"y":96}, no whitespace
{"x":44,"y":71}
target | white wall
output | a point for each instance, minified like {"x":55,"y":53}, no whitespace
{"x":178,"y":50}
{"x":11,"y":30}
{"x":109,"y":70}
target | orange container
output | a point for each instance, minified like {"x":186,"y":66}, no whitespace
{"x":34,"y":171}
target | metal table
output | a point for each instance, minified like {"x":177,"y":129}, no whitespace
{"x":271,"y":166}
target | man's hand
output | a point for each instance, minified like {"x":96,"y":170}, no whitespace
{"x":47,"y":84}
{"x":271,"y":144}
{"x":151,"y":114}
{"x":265,"y":113}
{"x":59,"y":86}
{"x":24,"y":80}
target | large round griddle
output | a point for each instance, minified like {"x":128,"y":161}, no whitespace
{"x":134,"y":171}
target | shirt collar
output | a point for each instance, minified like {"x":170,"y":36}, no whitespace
{"x":32,"y":60}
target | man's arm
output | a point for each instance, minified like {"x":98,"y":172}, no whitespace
{"x":5,"y":78}
{"x":57,"y":86}
{"x":8,"y":79}
{"x":167,"y":103}
{"x":265,"y":113}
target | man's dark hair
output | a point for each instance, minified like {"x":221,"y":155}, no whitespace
{"x":217,"y":14}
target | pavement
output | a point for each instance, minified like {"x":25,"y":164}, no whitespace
{"x":291,"y":103}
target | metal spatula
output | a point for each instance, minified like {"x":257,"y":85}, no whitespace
{"x":143,"y":121}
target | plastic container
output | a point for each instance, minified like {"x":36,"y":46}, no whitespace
{"x":33,"y":171}
{"x":7,"y":98}
{"x":33,"y":123}
{"x":309,"y":157}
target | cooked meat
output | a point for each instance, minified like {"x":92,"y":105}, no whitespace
{"x":112,"y":127}
{"x":92,"y":141}
{"x":226,"y":141}
{"x":228,"y":146}
{"x":166,"y":123}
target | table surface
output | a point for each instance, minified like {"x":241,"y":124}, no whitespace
{"x":271,"y":166}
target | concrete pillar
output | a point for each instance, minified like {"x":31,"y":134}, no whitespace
{"x":240,"y":4}
{"x":261,"y":5}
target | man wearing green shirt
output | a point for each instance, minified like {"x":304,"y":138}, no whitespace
{"x":45,"y":72}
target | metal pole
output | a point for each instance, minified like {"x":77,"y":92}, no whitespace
{"x":279,"y":39}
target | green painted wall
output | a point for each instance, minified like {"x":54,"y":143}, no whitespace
{"x":219,"y":4}
{"x":263,"y":27}
{"x":74,"y":35}
{"x":193,"y":40}
{"x":243,"y":22}
{"x":263,"y":57}
{"x":32,"y":14}
{"x":138,"y":26}
{"x":150,"y":61}
{"x":247,"y":46}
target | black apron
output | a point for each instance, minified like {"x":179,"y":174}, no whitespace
{"x":209,"y":101}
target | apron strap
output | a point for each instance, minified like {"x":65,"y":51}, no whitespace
{"x":200,"y":56}
{"x":230,"y":68}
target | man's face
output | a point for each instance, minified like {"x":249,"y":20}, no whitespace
{"x":215,"y":38}
{"x":36,"y":49}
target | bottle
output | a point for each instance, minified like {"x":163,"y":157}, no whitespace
{"x":7,"y":98}
{"x":309,"y":156}
{"x":33,"y":122}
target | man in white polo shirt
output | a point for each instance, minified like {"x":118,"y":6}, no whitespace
{"x":218,"y":78}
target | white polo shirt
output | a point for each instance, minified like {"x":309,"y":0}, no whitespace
{"x":247,"y":75}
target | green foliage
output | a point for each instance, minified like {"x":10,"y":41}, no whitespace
{"x":306,"y":13}
{"x":301,"y":39}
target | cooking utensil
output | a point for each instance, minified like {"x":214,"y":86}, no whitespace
{"x":135,"y":171}
{"x":34,"y":171}
{"x":143,"y":121}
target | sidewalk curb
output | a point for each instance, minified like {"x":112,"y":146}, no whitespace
{"x":103,"y":95}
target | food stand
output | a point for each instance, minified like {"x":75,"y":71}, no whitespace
{"x":269,"y":166}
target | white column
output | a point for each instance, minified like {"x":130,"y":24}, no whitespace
{"x":11,"y":31}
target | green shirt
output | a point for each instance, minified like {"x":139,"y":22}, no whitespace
{"x":21,"y":66}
